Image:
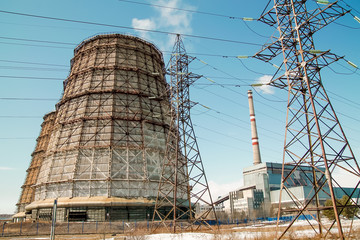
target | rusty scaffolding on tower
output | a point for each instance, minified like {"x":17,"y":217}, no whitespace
{"x":314,"y":136}
{"x":103,"y":150}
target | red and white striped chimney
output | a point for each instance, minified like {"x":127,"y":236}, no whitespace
{"x":254,"y":136}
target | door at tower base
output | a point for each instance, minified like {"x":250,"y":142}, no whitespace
{"x":107,"y":145}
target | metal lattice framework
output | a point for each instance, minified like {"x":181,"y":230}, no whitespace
{"x":109,"y":137}
{"x":183,"y":185}
{"x":314,"y":136}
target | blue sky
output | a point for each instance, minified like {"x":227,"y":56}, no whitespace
{"x":30,"y":69}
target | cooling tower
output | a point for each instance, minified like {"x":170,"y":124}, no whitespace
{"x":27,"y":193}
{"x":104,"y":156}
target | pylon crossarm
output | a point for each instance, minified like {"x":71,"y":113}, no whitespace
{"x":319,"y":18}
{"x":315,"y":64}
{"x":309,"y":22}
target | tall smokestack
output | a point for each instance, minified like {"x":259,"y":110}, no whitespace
{"x":254,"y":136}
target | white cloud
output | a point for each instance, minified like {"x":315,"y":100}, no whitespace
{"x":5,"y":168}
{"x":265,"y":88}
{"x":179,"y":21}
{"x":344,"y":178}
{"x":168,"y":19}
{"x":143,"y":24}
{"x":217,"y":189}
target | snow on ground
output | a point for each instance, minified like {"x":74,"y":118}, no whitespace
{"x":246,"y":234}
{"x":205,"y":236}
{"x":180,"y":236}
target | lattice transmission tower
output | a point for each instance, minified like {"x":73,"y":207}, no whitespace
{"x":315,"y":143}
{"x":183,"y":185}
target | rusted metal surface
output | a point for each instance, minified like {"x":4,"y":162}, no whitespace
{"x":183,"y":184}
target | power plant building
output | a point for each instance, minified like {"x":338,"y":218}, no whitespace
{"x":260,"y":195}
{"x":103,"y":152}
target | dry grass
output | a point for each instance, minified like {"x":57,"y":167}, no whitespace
{"x":120,"y":231}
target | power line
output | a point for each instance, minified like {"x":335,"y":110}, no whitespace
{"x":34,"y":68}
{"x":253,"y":71}
{"x":125,"y":27}
{"x":267,"y":99}
{"x":238,"y":120}
{"x":252,"y":30}
{"x":222,"y":134}
{"x":32,"y":45}
{"x":347,"y":101}
{"x":223,"y":84}
{"x":232,"y":137}
{"x":217,"y":69}
{"x":349,"y":117}
{"x":237,"y":103}
{"x":62,"y":79}
{"x":28,"y":99}
{"x":34,"y":63}
{"x":353,"y":71}
{"x":42,"y":41}
{"x":20,"y":117}
{"x":234,"y":78}
{"x":350,"y":6}
{"x":17,"y":138}
{"x":231,"y":78}
{"x":35,"y":78}
{"x":184,"y":10}
{"x":342,"y":73}
{"x":222,"y":144}
{"x":347,"y":26}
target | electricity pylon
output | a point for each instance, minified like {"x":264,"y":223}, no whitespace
{"x":314,"y":138}
{"x":183,"y":185}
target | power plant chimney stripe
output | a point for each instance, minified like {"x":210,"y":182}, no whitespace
{"x":254,"y":139}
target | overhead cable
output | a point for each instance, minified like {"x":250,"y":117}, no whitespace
{"x":36,"y":78}
{"x":347,"y":101}
{"x":16,"y":138}
{"x":258,"y":84}
{"x":237,"y":119}
{"x":253,"y":71}
{"x":21,"y":117}
{"x":343,"y":25}
{"x":42,"y":41}
{"x":252,"y":30}
{"x":222,"y":144}
{"x":232,"y":137}
{"x":350,"y":6}
{"x":33,"y":63}
{"x":28,"y":99}
{"x":65,"y":43}
{"x":189,"y":10}
{"x":217,"y":69}
{"x":34,"y":68}
{"x":125,"y":27}
{"x":33,"y":45}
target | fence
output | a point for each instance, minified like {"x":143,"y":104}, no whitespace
{"x":78,"y":228}
{"x":74,"y":228}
